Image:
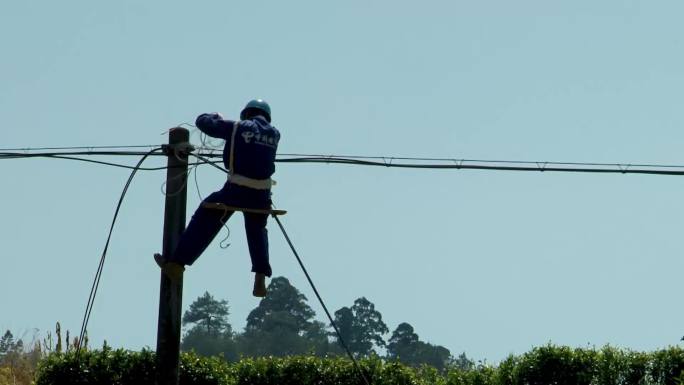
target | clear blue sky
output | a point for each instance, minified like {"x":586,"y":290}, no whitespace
{"x":483,"y":262}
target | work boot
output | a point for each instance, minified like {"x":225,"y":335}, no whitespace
{"x":172,"y":269}
{"x":161,"y":261}
{"x":259,"y":285}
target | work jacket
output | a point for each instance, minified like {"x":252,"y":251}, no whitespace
{"x":251,"y":145}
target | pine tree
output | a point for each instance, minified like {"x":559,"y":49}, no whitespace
{"x":284,"y":306}
{"x":361,"y":326}
{"x":7,"y":344}
{"x":209,"y":314}
{"x":283,"y":324}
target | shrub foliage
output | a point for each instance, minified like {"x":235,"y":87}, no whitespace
{"x":544,"y":365}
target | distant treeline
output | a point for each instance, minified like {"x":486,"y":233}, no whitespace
{"x":283,"y":324}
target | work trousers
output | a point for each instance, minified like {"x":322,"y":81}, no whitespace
{"x":206,"y":223}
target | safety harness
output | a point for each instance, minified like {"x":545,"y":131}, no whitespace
{"x":241,"y":180}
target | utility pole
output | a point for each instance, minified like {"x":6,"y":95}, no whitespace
{"x":171,"y":286}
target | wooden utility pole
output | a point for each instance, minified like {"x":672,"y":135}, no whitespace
{"x":171,"y":286}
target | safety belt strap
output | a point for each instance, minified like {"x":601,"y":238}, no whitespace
{"x":232,"y":147}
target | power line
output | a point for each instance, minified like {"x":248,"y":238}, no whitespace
{"x":79,"y":147}
{"x":532,"y":166}
{"x":89,"y":150}
{"x":80,"y":159}
{"x":98,"y":274}
{"x":395,"y":162}
{"x":390,"y":159}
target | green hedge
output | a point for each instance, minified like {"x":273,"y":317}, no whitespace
{"x":544,"y":365}
{"x":560,"y":365}
{"x":119,"y":367}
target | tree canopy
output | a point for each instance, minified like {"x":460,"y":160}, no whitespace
{"x":211,"y":334}
{"x":406,"y":346}
{"x":283,"y":307}
{"x":209,"y":314}
{"x":7,"y":344}
{"x":361,"y":327}
{"x":284,"y":324}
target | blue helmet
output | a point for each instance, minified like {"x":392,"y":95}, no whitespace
{"x":256,"y":107}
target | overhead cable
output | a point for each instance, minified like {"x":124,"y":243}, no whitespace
{"x":98,"y":273}
{"x":79,"y":147}
{"x":396,"y":162}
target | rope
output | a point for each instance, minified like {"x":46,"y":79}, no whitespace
{"x":224,"y":244}
{"x":98,"y":274}
{"x":313,"y":286}
{"x":224,"y":222}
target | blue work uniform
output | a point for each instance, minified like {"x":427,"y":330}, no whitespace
{"x":249,"y":155}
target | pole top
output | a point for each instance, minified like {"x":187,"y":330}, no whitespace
{"x":178,"y":134}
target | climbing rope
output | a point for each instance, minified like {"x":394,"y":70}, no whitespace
{"x":311,"y":283}
{"x":224,"y":244}
{"x":313,"y":286}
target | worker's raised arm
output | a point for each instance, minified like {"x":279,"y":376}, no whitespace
{"x":214,"y":125}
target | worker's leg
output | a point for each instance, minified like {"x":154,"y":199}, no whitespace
{"x":201,"y":230}
{"x":257,"y":240}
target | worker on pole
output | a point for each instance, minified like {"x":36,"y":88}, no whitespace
{"x":249,"y":155}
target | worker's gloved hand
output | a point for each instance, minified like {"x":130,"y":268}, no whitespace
{"x":208,"y":118}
